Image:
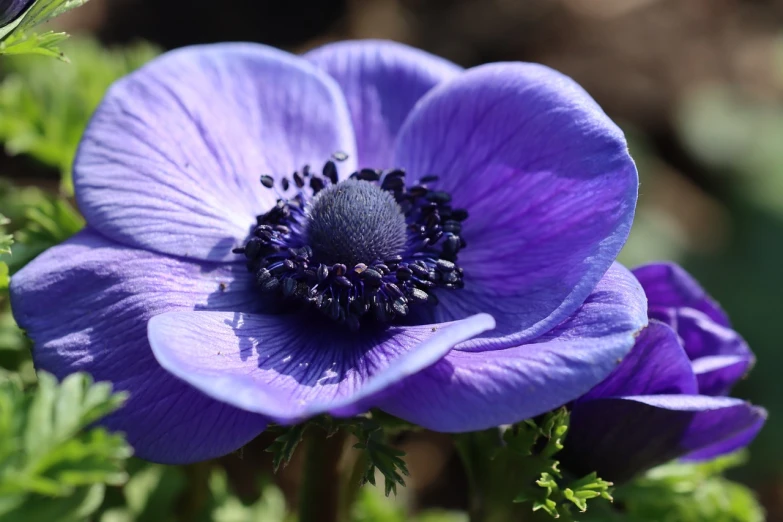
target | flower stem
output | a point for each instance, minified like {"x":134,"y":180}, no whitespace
{"x":491,"y":481}
{"x":319,"y":494}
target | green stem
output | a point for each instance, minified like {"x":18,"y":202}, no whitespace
{"x":351,"y":480}
{"x":464,"y":446}
{"x":319,"y":494}
{"x":491,"y":481}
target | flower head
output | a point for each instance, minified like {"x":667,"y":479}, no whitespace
{"x":663,"y":401}
{"x":10,"y":10}
{"x":271,"y":237}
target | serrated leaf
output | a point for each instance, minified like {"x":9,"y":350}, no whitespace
{"x":380,"y":457}
{"x":40,"y":221}
{"x":48,"y":452}
{"x":45,"y":44}
{"x":20,"y":38}
{"x":284,"y":446}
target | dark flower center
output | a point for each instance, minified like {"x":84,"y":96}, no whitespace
{"x":353,"y":222}
{"x":364,"y":249}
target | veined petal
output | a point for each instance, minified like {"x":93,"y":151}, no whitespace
{"x":669,"y":286}
{"x":172,"y":157}
{"x":657,"y":364}
{"x":474,"y":390}
{"x":744,"y":436}
{"x":382,"y":82}
{"x":546,"y":178}
{"x":702,"y":336}
{"x":621,"y":437}
{"x":717,"y":374}
{"x":86,"y":303}
{"x":270,"y":364}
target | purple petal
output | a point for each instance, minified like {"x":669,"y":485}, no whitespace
{"x":546,"y":178}
{"x":702,"y":337}
{"x":621,"y":437}
{"x":474,"y":390}
{"x":10,"y":10}
{"x":86,"y":304}
{"x":667,"y":285}
{"x":269,"y":364}
{"x":741,"y":440}
{"x":717,"y":374}
{"x":657,"y":364}
{"x":172,"y":158}
{"x":381,"y":81}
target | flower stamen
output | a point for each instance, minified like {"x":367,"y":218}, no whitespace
{"x":367,"y":247}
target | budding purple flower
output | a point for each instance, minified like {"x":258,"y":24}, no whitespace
{"x":665,"y":400}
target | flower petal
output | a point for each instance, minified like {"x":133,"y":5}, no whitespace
{"x":86,"y":304}
{"x":657,"y":364}
{"x":741,"y":440}
{"x":382,"y":81}
{"x":702,"y":336}
{"x":717,"y":374}
{"x":546,"y":178}
{"x":270,"y":364}
{"x":474,"y":390}
{"x":667,"y":285}
{"x":621,"y":437}
{"x":172,"y":158}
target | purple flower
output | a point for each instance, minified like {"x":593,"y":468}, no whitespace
{"x":663,"y":401}
{"x":11,"y":9}
{"x":719,"y":355}
{"x":475,"y":288}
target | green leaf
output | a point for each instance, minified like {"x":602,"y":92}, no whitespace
{"x":44,"y":10}
{"x":282,"y":449}
{"x":524,"y":459}
{"x":691,"y":493}
{"x":380,"y":456}
{"x":45,"y":44}
{"x":45,"y":106}
{"x":151,"y":494}
{"x":19,"y":37}
{"x":6,"y":240}
{"x":40,"y":221}
{"x":52,"y":467}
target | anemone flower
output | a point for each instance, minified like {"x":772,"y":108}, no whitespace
{"x":719,"y":355}
{"x":271,"y":237}
{"x":664,"y":400}
{"x":11,"y":9}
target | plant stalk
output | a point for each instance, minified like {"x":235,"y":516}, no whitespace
{"x":320,"y":491}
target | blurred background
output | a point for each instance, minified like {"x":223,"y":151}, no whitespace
{"x":696,"y":84}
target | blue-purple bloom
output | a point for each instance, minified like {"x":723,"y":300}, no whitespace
{"x":666,"y":399}
{"x":10,"y":10}
{"x":475,"y":288}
